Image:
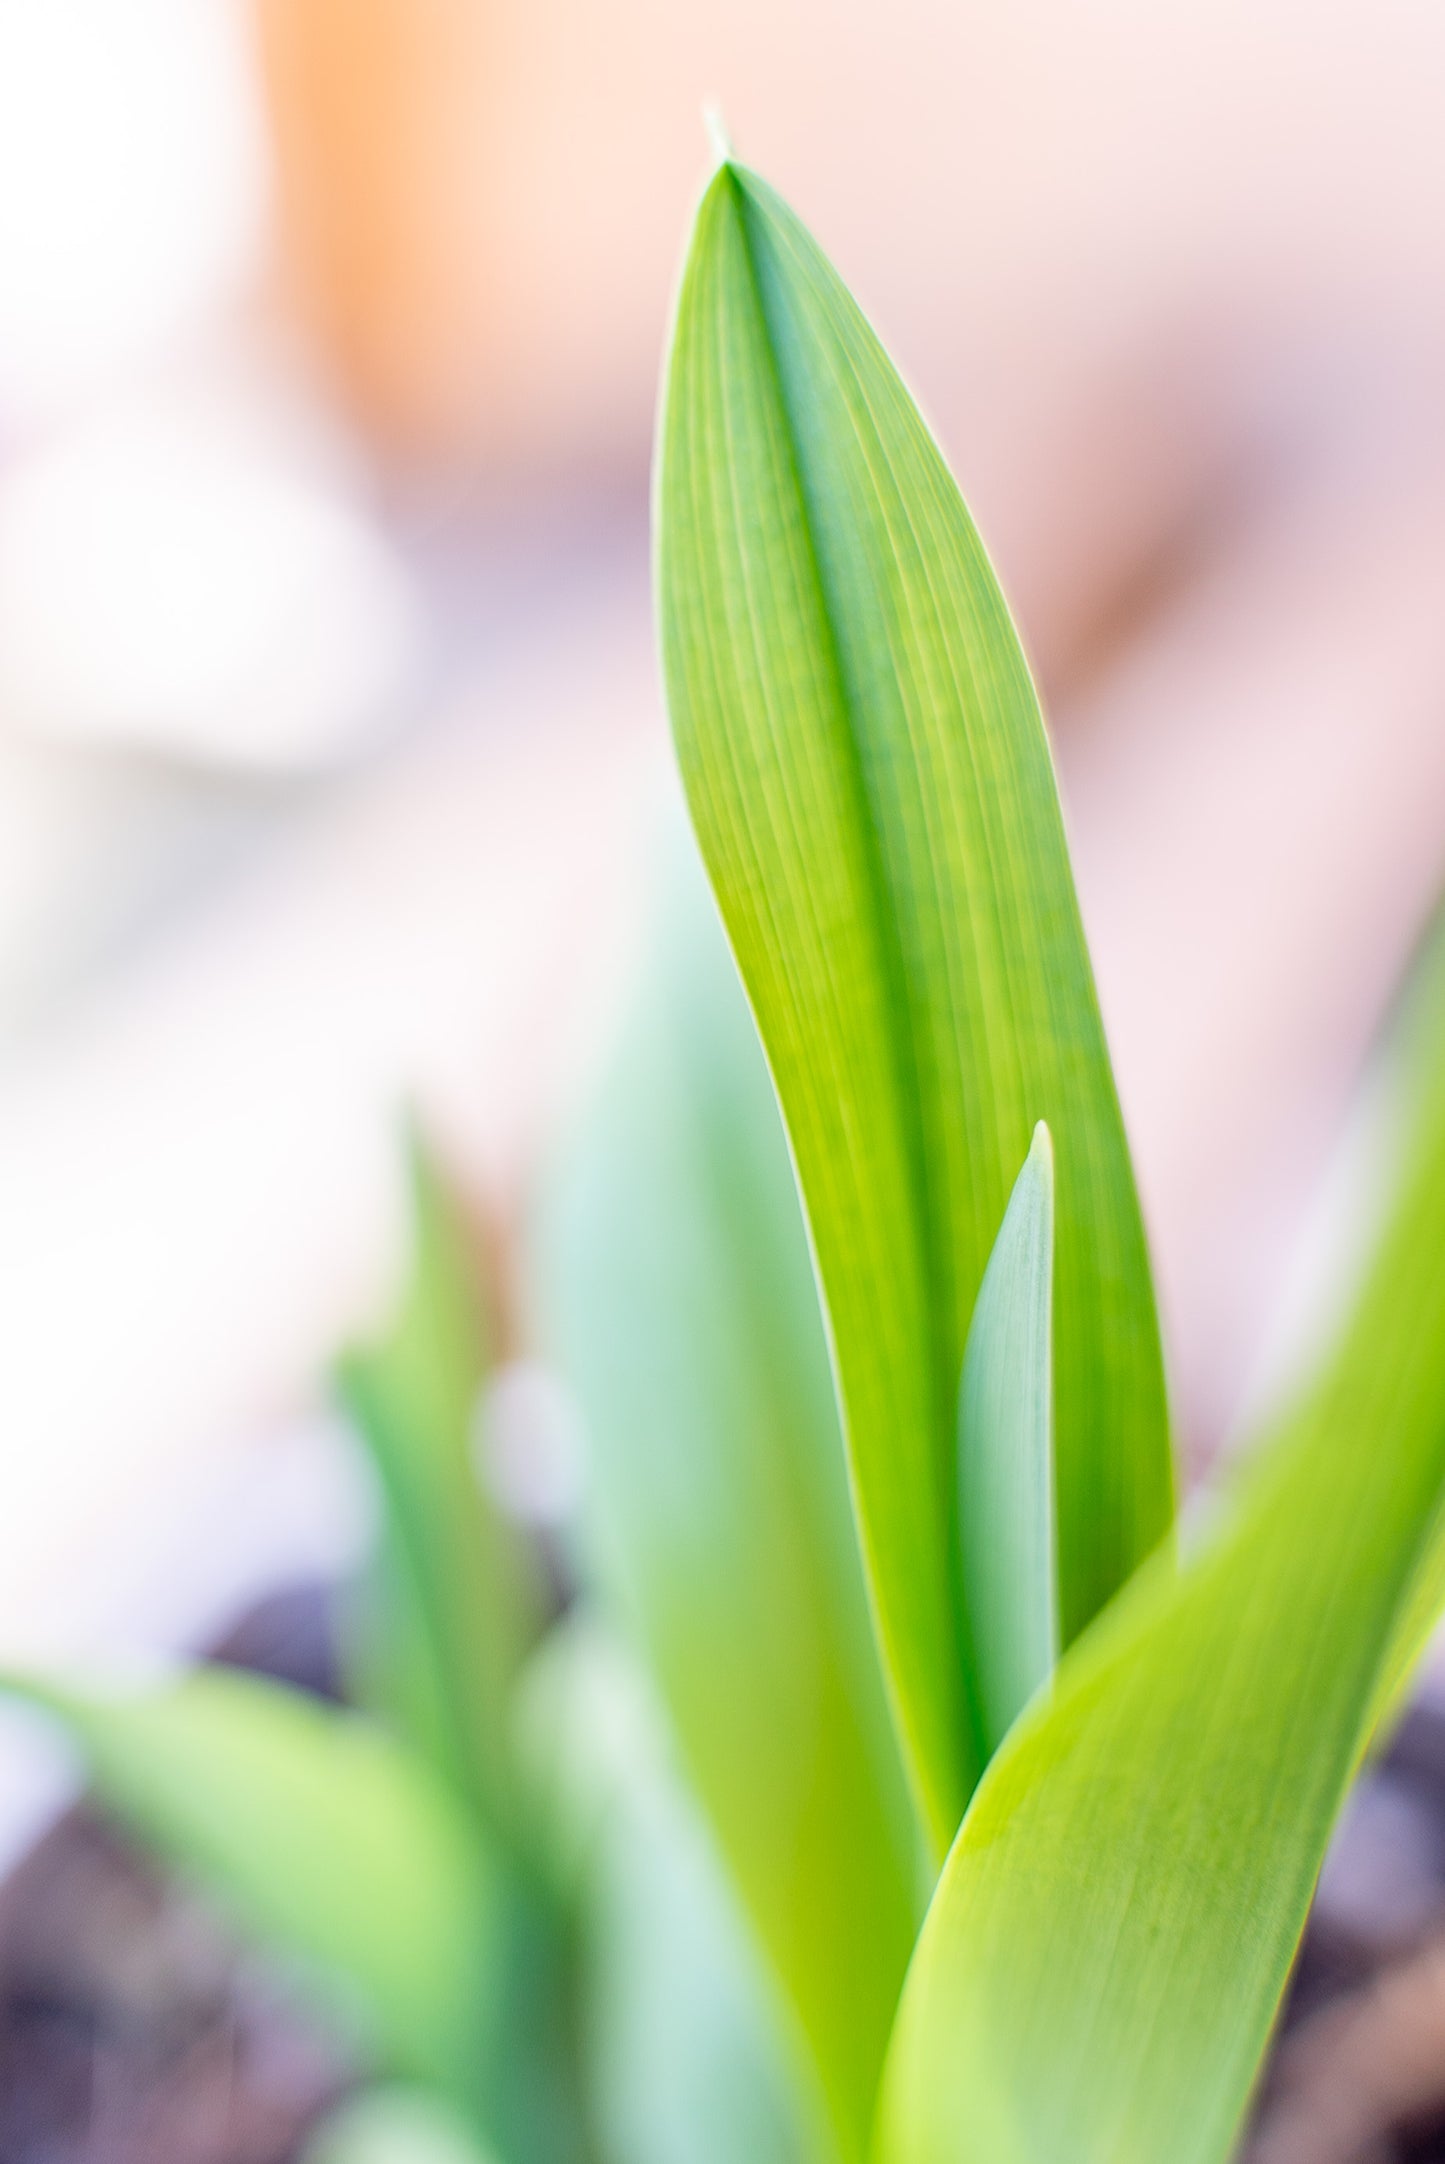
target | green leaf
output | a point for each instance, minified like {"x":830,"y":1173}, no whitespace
{"x":1412,"y":1104}
{"x":868,"y":774}
{"x":395,"y":2126}
{"x":455,"y":1602}
{"x":451,"y":1614}
{"x":1006,"y":1458}
{"x":323,"y":1838}
{"x":1107,"y":1947}
{"x":692,"y":2057}
{"x":682,"y":1302}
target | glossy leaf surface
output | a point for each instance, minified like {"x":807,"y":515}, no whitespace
{"x":868,"y":774}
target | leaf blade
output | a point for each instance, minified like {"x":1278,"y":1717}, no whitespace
{"x":681,"y":1298}
{"x":1006,"y":1458}
{"x":692,"y":2056}
{"x":868,"y":775}
{"x":320,"y":1835}
{"x":1114,"y":1927}
{"x":455,"y":1604}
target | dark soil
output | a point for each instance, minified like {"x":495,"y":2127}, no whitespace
{"x":133,"y":2028}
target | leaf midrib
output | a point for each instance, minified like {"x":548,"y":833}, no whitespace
{"x":903,"y":1054}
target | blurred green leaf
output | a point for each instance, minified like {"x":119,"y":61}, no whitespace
{"x":1107,"y":1947}
{"x":1006,"y":1458}
{"x":456,"y":1601}
{"x":683,"y":1303}
{"x":324,"y":1838}
{"x":692,"y":2056}
{"x":1412,"y":1104}
{"x":395,"y":2126}
{"x":868,"y":772}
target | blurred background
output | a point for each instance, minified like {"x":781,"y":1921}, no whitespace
{"x":330,"y":736}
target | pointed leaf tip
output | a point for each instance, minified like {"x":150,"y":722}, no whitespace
{"x":872,"y":789}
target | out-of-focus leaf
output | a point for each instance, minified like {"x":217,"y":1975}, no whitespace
{"x":322,"y":1837}
{"x":395,"y":2126}
{"x":683,"y":1302}
{"x":1107,"y":1947}
{"x":693,"y":2058}
{"x":1006,"y":1458}
{"x":869,"y":776}
{"x":1413,"y":1103}
{"x":455,"y":1599}
{"x":451,"y":1612}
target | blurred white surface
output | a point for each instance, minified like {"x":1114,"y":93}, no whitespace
{"x":134,"y":185}
{"x":200,"y":1169}
{"x":180,"y":575}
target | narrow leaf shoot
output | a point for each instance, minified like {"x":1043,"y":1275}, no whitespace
{"x":868,"y":774}
{"x":1006,"y":1519}
{"x":1107,"y":1948}
{"x":683,"y":1305}
{"x":455,"y":1601}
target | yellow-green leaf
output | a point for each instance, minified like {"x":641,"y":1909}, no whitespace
{"x":1107,"y":1947}
{"x":869,"y":777}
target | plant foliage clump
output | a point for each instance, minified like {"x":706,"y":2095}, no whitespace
{"x":890,"y":1779}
